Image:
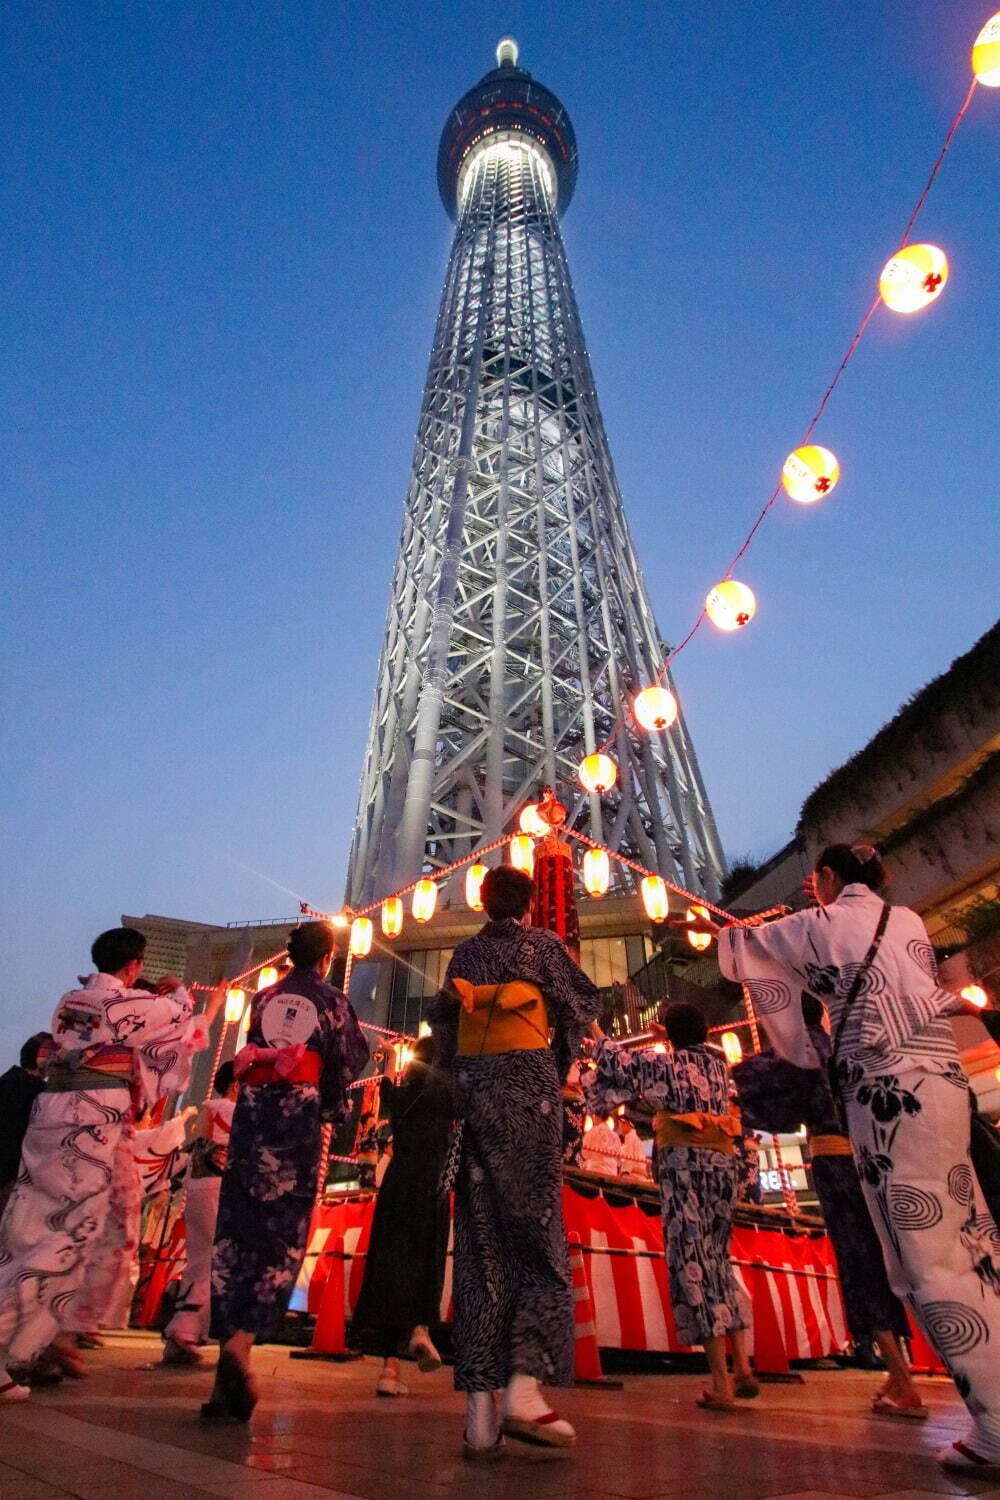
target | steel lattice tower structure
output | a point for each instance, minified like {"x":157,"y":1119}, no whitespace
{"x":519,"y":622}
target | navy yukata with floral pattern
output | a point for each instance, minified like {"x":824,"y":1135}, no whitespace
{"x":269,"y":1185}
{"x":698,"y":1186}
{"x":512,"y":1294}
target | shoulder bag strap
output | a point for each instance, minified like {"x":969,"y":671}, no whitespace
{"x":855,"y":989}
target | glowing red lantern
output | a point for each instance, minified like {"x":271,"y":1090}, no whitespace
{"x":598,"y":773}
{"x":425,"y":895}
{"x":596,"y":871}
{"x":655,"y":708}
{"x":731,"y":605}
{"x":392,"y":916}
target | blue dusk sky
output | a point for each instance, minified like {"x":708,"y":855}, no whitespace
{"x":223,"y":254}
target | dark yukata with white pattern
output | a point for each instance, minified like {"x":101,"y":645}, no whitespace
{"x":513,"y":1309}
{"x":699,"y":1186}
{"x":269,"y":1185}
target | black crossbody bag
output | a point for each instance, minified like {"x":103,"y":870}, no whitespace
{"x":855,"y":990}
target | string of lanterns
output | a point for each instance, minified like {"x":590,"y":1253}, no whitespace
{"x":912,"y":279}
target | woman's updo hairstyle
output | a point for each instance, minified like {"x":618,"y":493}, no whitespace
{"x":309,"y":943}
{"x":854,"y":864}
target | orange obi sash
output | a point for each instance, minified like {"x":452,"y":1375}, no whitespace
{"x":710,"y":1132}
{"x":500,"y":1018}
{"x":829,"y":1145}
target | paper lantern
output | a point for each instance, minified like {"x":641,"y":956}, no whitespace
{"x":986,"y":53}
{"x":474,"y":877}
{"x":266,"y":977}
{"x":596,"y":871}
{"x":655,"y":708}
{"x":340,"y":919}
{"x":245,"y":1025}
{"x":732,"y":1047}
{"x":974,"y":994}
{"x":730,"y":605}
{"x":522,"y":853}
{"x":425,"y":895}
{"x":598,"y":773}
{"x":424,"y":1029}
{"x":810,"y":473}
{"x":654,"y":898}
{"x":361,"y":936}
{"x":392,"y":916}
{"x":530,"y":821}
{"x":235,"y":1001}
{"x":698,"y":940}
{"x":914,"y":278}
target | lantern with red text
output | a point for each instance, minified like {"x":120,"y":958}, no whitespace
{"x":598,"y":773}
{"x":986,"y":54}
{"x":730,"y":605}
{"x":361,"y":937}
{"x":654,"y":898}
{"x":531,"y":823}
{"x":596,"y":871}
{"x":732,"y":1047}
{"x":474,"y":877}
{"x":267,"y":976}
{"x":522,"y":853}
{"x":425,"y":895}
{"x":810,"y":473}
{"x":699,"y":940}
{"x":235,"y":1001}
{"x":914,"y":278}
{"x":655,"y":708}
{"x":392,"y":916}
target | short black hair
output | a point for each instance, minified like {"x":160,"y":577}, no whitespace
{"x":310,"y":942}
{"x":225,"y":1077}
{"x":812,"y":1009}
{"x":117,"y":947}
{"x":29,"y":1052}
{"x":685,"y":1025}
{"x":507,"y":892}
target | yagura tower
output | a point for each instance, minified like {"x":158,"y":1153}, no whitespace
{"x":519,"y":624}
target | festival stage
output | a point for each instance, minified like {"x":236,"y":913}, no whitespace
{"x":786,"y":1270}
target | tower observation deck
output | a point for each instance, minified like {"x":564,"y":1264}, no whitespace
{"x":519,"y":624}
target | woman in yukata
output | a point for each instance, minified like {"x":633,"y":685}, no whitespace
{"x":906,"y":1099}
{"x":696,"y":1131}
{"x":508,"y":1023}
{"x":400,"y":1300}
{"x":304,"y":1046}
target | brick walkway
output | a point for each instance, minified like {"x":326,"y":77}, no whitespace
{"x":126,"y":1433}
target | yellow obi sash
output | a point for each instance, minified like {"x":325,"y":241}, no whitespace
{"x":829,"y":1145}
{"x":500,"y":1018}
{"x":711,"y":1132}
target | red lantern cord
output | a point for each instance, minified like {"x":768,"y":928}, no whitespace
{"x":821,"y":408}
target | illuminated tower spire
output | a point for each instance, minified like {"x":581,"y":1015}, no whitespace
{"x":519,"y":624}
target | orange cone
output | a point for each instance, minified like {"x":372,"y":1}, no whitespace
{"x":586,"y":1354}
{"x":329,"y":1334}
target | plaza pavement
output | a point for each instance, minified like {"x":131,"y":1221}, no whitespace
{"x":128,"y":1433}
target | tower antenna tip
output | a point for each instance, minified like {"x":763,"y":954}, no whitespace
{"x":507,"y":53}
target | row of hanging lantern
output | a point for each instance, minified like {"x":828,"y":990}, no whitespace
{"x":521,"y":852}
{"x":910,"y":280}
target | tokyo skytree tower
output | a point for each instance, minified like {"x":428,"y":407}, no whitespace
{"x":519,"y":625}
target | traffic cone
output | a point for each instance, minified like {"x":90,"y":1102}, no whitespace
{"x":770,"y":1357}
{"x":586,"y":1354}
{"x":329,"y":1340}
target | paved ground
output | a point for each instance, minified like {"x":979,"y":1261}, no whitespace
{"x":126,"y":1433}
